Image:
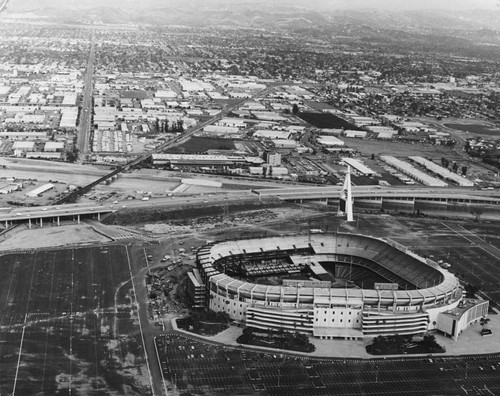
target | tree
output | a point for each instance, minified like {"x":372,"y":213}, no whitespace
{"x":295,"y":108}
{"x":477,"y":212}
{"x":484,"y":322}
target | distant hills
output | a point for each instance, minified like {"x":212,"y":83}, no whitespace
{"x":271,"y":14}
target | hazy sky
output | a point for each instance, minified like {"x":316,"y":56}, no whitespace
{"x":313,"y":4}
{"x":394,"y":4}
{"x":415,"y":4}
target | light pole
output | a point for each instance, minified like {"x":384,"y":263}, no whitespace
{"x":279,"y":373}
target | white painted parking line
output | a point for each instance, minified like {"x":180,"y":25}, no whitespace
{"x":20,"y":354}
{"x":139,"y":320}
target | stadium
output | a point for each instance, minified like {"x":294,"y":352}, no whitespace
{"x":331,"y":286}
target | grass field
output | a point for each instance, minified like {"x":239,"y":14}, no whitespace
{"x":203,"y":368}
{"x":203,"y":144}
{"x":68,"y":322}
{"x":475,"y":128}
{"x":326,"y":120}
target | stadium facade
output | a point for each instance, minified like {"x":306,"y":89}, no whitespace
{"x":385,"y":289}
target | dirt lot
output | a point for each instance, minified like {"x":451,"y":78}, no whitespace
{"x":67,"y":234}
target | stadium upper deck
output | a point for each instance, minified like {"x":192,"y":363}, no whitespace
{"x":422,"y":288}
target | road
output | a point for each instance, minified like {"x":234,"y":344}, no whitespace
{"x":86,"y":112}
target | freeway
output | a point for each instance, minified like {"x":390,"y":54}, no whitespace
{"x":299,"y":192}
{"x":18,"y":214}
{"x":86,"y":112}
{"x":457,"y":195}
{"x":27,"y":213}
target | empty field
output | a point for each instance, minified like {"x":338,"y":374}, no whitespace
{"x":68,"y":322}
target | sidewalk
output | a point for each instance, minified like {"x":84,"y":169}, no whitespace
{"x":470,"y":342}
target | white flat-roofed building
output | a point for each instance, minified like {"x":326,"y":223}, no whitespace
{"x":172,"y":104}
{"x":386,"y":135}
{"x":44,"y":155}
{"x":105,"y":114}
{"x":330,"y":141}
{"x":268,"y":116}
{"x":32,"y":118}
{"x":413,"y":172}
{"x":273,"y":158}
{"x":253,"y":106}
{"x":23,"y":91}
{"x":391,"y":118}
{"x":331,"y":131}
{"x":166,"y":94}
{"x":18,"y":109}
{"x":354,"y":134}
{"x":295,"y":128}
{"x":53,"y":147}
{"x":359,"y":167}
{"x":4,"y":90}
{"x":69,"y":117}
{"x":194,"y":112}
{"x":443,"y":172}
{"x":231,"y":122}
{"x":276,"y":170}
{"x":380,"y":129}
{"x":69,"y":99}
{"x":361,"y":121}
{"x":204,"y":159}
{"x":239,"y":95}
{"x":40,"y":190}
{"x":11,"y":187}
{"x":413,"y":126}
{"x":106,"y":125}
{"x":285,"y":144}
{"x":23,"y":146}
{"x":214,"y":95}
{"x":18,"y":135}
{"x":273,"y":135}
{"x":219,"y":129}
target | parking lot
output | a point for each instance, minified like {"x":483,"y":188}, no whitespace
{"x":207,"y":368}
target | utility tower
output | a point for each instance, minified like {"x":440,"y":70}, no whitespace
{"x":345,"y":203}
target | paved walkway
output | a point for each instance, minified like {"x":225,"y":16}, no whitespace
{"x":470,"y":342}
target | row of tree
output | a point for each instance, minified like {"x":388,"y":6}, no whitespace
{"x":164,"y":126}
{"x":445,"y":163}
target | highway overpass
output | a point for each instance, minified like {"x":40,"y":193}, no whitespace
{"x":365,"y":198}
{"x":40,"y":215}
{"x":376,"y":198}
{"x":37,"y":216}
